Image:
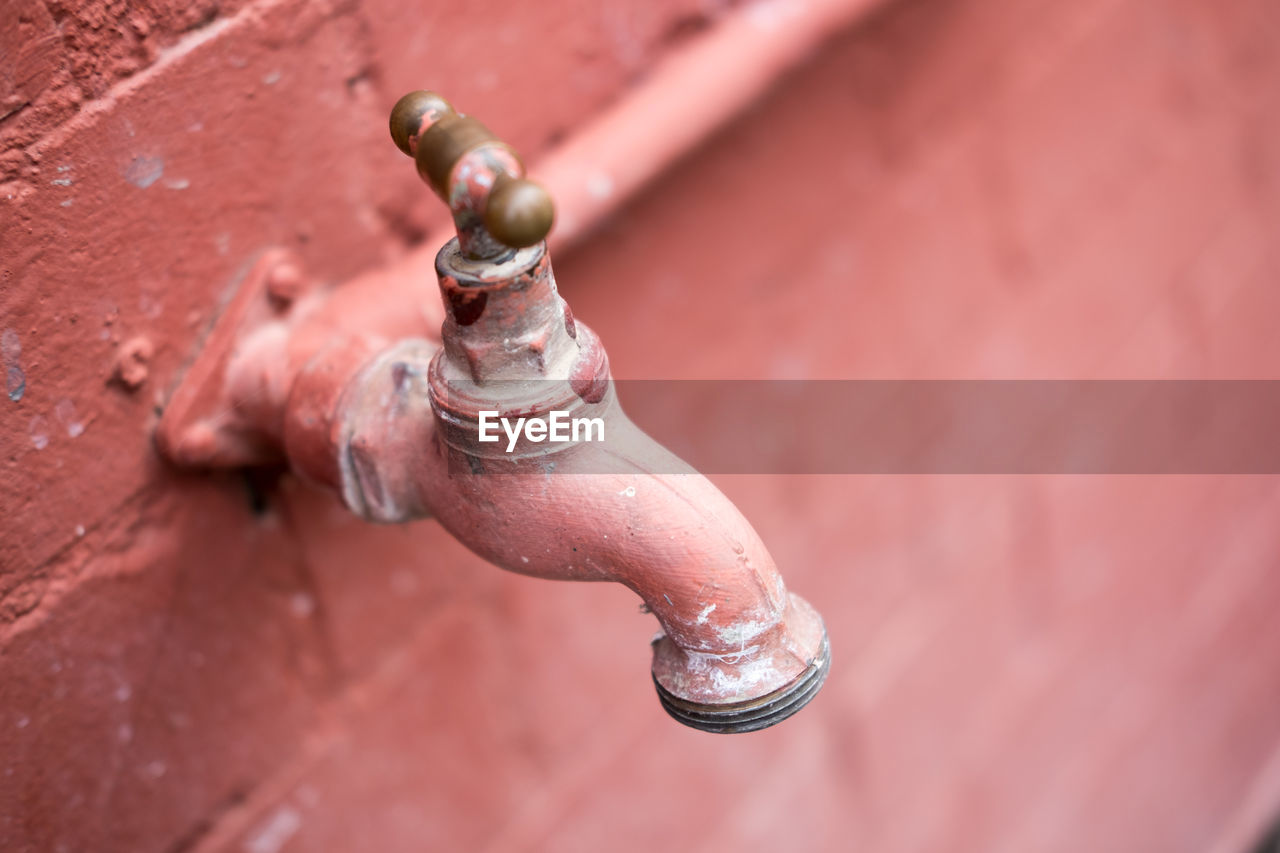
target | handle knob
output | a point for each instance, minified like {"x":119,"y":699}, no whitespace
{"x":519,"y":212}
{"x":515,"y":211}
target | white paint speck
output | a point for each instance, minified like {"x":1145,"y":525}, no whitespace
{"x":65,"y":168}
{"x":23,"y":722}
{"x":769,"y":16}
{"x":156,"y":769}
{"x":179,"y":184}
{"x":523,"y":558}
{"x":66,"y":203}
{"x":39,"y":438}
{"x":706,"y":611}
{"x":600,"y":185}
{"x":123,"y":692}
{"x":66,"y":412}
{"x":302,"y":605}
{"x":62,"y":182}
{"x":15,"y":378}
{"x":275,"y":831}
{"x":628,"y":492}
{"x":740,"y":633}
{"x":79,"y":530}
{"x":144,"y":171}
{"x":272,"y":78}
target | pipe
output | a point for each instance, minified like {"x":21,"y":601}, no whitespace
{"x":693,"y":92}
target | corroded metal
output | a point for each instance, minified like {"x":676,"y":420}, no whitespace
{"x":495,"y":208}
{"x":752,"y":714}
{"x":413,"y":115}
{"x":519,"y":212}
{"x":447,"y":141}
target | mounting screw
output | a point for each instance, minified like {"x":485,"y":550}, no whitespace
{"x":285,"y":283}
{"x":131,"y":362}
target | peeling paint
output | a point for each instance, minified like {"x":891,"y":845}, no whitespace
{"x":66,"y":413}
{"x":39,"y":437}
{"x":733,"y":677}
{"x":15,"y":382}
{"x":740,"y":633}
{"x":15,"y":378}
{"x":144,"y":171}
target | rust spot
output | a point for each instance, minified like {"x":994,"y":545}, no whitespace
{"x":569,"y":326}
{"x":466,"y":306}
{"x":587,"y":380}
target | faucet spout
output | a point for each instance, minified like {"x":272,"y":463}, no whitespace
{"x":736,"y":651}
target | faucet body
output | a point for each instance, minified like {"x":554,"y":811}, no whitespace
{"x":389,"y":416}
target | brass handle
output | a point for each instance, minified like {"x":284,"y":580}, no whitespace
{"x":517,"y":212}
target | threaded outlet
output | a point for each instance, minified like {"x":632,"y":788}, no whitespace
{"x":753,"y":714}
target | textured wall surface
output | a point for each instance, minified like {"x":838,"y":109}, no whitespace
{"x":1015,"y":189}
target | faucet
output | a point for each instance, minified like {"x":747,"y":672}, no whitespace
{"x":355,"y":390}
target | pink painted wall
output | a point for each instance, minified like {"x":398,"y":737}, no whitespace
{"x":991,"y":190}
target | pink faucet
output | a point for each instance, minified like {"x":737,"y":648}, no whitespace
{"x":355,"y":392}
